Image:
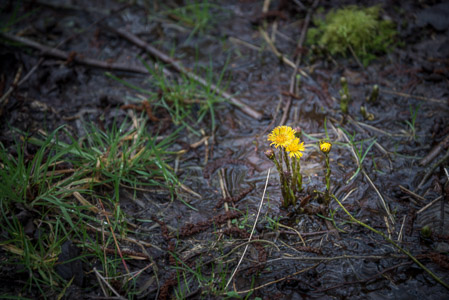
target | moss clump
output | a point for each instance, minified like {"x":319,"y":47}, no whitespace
{"x":354,"y":30}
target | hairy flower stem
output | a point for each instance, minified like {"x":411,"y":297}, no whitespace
{"x":296,"y":182}
{"x":287,"y":161}
{"x":328,"y":181}
{"x":294,"y":175}
{"x":288,"y":182}
{"x":299,"y":176}
{"x":283,"y":180}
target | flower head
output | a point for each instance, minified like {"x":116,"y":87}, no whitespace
{"x":325,"y":147}
{"x":295,"y":148}
{"x":281,"y":136}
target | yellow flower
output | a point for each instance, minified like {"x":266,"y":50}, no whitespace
{"x":295,"y":148}
{"x":325,"y":147}
{"x":281,"y":136}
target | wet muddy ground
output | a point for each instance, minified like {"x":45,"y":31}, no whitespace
{"x":293,"y":255}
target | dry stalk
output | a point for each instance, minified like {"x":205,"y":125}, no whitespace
{"x":429,"y":205}
{"x":114,"y":237}
{"x":252,"y":230}
{"x":101,"y":281}
{"x":224,"y":191}
{"x":278,"y":280}
{"x":413,"y":96}
{"x":416,"y":196}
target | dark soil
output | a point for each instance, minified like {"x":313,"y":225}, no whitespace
{"x":354,"y":264}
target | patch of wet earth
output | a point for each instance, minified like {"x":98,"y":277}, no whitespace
{"x":295,"y":255}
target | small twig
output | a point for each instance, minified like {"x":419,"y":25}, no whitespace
{"x":274,"y":49}
{"x":284,"y":59}
{"x":178,"y":67}
{"x":252,"y":230}
{"x":296,"y":231}
{"x":327,"y":258}
{"x":416,"y":196}
{"x":435,"y":151}
{"x":136,"y":274}
{"x":412,"y":96}
{"x":224,"y":191}
{"x":384,"y":203}
{"x":364,"y":280}
{"x":376,"y":129}
{"x":429,"y":205}
{"x":15,"y":84}
{"x":401,"y":230}
{"x":53,"y":52}
{"x":444,"y":190}
{"x":277,"y":280}
{"x":432,"y":168}
{"x":355,"y":57}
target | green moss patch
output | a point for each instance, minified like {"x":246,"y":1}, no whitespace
{"x":359,"y":31}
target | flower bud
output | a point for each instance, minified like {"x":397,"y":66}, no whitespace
{"x":325,"y":147}
{"x":270,"y":154}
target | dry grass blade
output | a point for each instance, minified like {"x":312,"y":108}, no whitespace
{"x":416,"y":196}
{"x":278,"y":280}
{"x":429,"y":205}
{"x":129,"y":239}
{"x":274,"y":50}
{"x":86,"y":203}
{"x":252,"y":230}
{"x":384,"y":203}
{"x":296,"y":231}
{"x":413,"y":96}
{"x":101,"y":281}
{"x":115,"y":238}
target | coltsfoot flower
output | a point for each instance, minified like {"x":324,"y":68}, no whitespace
{"x":295,"y":148}
{"x":325,"y":147}
{"x":281,"y":136}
